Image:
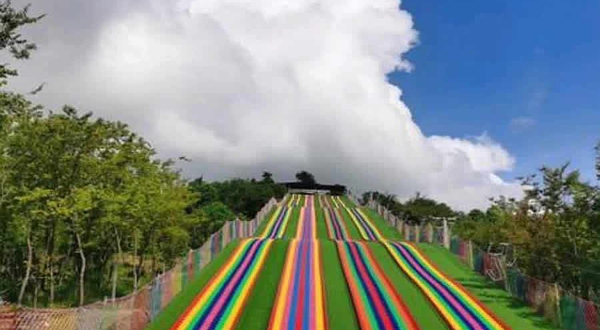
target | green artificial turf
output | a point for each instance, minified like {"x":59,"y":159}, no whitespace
{"x":263,"y":224}
{"x":171,"y":313}
{"x":340,"y":310}
{"x":353,"y":232}
{"x":257,"y":312}
{"x":513,"y":312}
{"x":292,"y":226}
{"x":347,"y":201}
{"x":421,"y":309}
{"x":301,"y":200}
{"x":387,"y":231}
{"x":321,"y":225}
{"x":317,"y":201}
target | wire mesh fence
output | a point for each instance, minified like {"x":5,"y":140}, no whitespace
{"x":134,"y":311}
{"x":560,"y":307}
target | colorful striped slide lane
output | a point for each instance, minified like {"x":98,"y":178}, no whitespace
{"x":324,"y":201}
{"x":340,"y":201}
{"x":221,"y":301}
{"x":278,"y":223}
{"x":456,"y":305}
{"x":307,"y":223}
{"x":334,"y":202}
{"x":293,"y":200}
{"x":286,"y":199}
{"x":377,"y":304}
{"x":300,"y":300}
{"x":365,"y":227}
{"x":335,"y":225}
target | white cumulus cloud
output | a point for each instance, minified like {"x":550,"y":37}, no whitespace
{"x":242,"y":86}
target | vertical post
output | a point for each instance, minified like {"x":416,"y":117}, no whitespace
{"x":470,"y":254}
{"x":557,"y":299}
{"x":446,"y":235}
{"x":417,"y":229}
{"x":429,"y":232}
{"x":400,"y":226}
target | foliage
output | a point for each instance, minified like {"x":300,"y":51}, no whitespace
{"x":81,"y":198}
{"x":11,"y":39}
{"x":554,"y":229}
{"x":306,"y":178}
{"x":243,"y":197}
{"x":415,"y":210}
{"x":77,"y":194}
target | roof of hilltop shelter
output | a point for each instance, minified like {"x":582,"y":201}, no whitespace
{"x":332,"y":188}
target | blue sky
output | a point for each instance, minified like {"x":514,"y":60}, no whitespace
{"x":525,"y":72}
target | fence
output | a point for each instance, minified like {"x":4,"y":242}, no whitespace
{"x":560,"y":307}
{"x":135,"y":311}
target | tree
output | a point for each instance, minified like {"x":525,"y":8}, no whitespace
{"x":12,"y":20}
{"x":267,"y":177}
{"x":306,"y":178}
{"x":476,"y":215}
{"x":77,"y":194}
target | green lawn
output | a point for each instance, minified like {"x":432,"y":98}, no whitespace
{"x":302,"y":200}
{"x":321,"y":225}
{"x":347,"y":201}
{"x":340,"y":310}
{"x":256,"y":314}
{"x":417,"y":303}
{"x":317,"y":202}
{"x":290,"y":231}
{"x":515,"y":313}
{"x":171,"y":313}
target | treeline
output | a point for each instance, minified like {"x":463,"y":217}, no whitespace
{"x":554,"y":231}
{"x":85,"y":204}
{"x":218,"y":202}
{"x":416,"y":210}
{"x":78,"y":197}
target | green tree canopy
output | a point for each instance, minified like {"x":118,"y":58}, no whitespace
{"x":306,"y":178}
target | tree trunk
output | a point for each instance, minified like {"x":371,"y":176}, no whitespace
{"x":28,"y":270}
{"x":82,"y":271}
{"x":51,"y":284}
{"x":135,"y":279}
{"x":116,"y":266}
{"x":36,"y":293}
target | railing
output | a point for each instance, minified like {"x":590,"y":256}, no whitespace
{"x":134,"y":311}
{"x":561,"y":307}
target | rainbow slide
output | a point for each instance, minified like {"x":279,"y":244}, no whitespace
{"x":377,"y":304}
{"x":367,"y":230}
{"x":335,"y":225}
{"x":340,"y":201}
{"x":278,"y":223}
{"x":324,"y":201}
{"x":300,"y":300}
{"x":293,"y":200}
{"x":219,"y":304}
{"x":456,"y":305}
{"x":334,"y":202}
{"x":307,"y":224}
